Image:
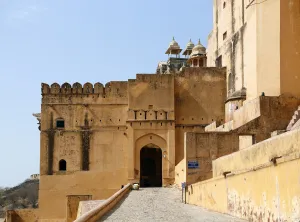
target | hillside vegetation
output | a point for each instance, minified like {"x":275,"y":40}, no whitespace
{"x":25,"y":195}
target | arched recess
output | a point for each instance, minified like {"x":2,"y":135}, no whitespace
{"x":155,"y":145}
{"x":62,"y":165}
{"x":151,"y":138}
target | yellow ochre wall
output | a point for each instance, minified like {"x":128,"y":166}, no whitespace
{"x":204,"y":148}
{"x":256,"y":189}
{"x":121,"y":118}
{"x":290,"y":46}
{"x":262,"y":45}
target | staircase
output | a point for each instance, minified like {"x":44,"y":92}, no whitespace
{"x":295,"y":121}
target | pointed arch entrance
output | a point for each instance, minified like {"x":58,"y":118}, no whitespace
{"x":151,"y":166}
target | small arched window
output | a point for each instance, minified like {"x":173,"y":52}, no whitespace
{"x":62,"y":165}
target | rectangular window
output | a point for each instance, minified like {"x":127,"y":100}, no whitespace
{"x":60,"y":123}
{"x":219,"y":62}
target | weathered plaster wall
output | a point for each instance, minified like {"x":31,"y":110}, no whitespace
{"x":250,"y":51}
{"x":261,"y":116}
{"x":268,"y":47}
{"x":290,"y":46}
{"x":95,"y":121}
{"x":180,"y":168}
{"x":151,"y":121}
{"x":229,"y":19}
{"x":261,"y":48}
{"x":194,"y":108}
{"x":193,"y":103}
{"x":231,"y":107}
{"x":99,"y":113}
{"x":54,"y":189}
{"x":68,"y":144}
{"x":145,"y":90}
{"x":204,"y":148}
{"x":275,"y":114}
{"x":242,"y":196}
{"x":108,"y":150}
{"x":245,"y":141}
{"x":73,"y":205}
{"x":259,"y":154}
{"x":248,"y":112}
{"x":105,"y":129}
{"x":186,"y":99}
{"x":275,"y":198}
{"x":24,"y":215}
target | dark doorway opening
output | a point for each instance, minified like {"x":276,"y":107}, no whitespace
{"x":151,"y":167}
{"x":62,"y":165}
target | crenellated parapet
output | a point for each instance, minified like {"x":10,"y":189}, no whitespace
{"x":111,"y":89}
{"x":150,"y":115}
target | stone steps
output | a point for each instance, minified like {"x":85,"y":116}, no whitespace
{"x":296,"y":125}
{"x":294,"y":120}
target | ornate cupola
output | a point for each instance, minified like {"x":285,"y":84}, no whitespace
{"x":188,"y":49}
{"x":198,"y":56}
{"x":174,"y":49}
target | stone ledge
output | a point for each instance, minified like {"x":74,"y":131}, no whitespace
{"x":97,"y":212}
{"x":259,"y":154}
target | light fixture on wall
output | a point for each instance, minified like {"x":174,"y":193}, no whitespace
{"x":165,"y":154}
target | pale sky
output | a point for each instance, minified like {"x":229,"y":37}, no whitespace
{"x":85,"y":41}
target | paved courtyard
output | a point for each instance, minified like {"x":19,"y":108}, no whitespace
{"x":161,"y":204}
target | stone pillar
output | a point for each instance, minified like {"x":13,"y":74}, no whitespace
{"x":169,"y":160}
{"x":131,"y":153}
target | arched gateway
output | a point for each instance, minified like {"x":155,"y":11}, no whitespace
{"x":150,"y":166}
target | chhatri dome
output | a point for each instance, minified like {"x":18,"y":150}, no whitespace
{"x":198,"y":56}
{"x":174,"y":44}
{"x":174,"y":48}
{"x":188,"y":49}
{"x":190,"y":45}
{"x":198,"y":49}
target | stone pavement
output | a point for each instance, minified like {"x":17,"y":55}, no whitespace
{"x":161,"y":204}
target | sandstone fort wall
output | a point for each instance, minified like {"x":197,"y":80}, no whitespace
{"x":260,"y":184}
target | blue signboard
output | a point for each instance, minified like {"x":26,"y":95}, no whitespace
{"x":193,"y":164}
